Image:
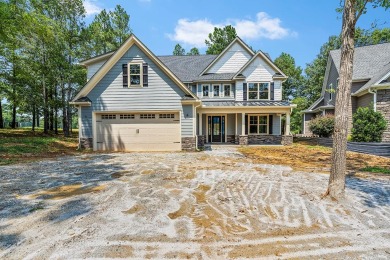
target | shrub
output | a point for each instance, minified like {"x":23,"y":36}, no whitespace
{"x":368,"y":125}
{"x":322,"y":126}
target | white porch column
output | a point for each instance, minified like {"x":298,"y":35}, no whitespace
{"x":243,"y":124}
{"x":287,"y":132}
{"x":200,"y":123}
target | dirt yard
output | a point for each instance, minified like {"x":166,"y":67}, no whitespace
{"x":215,"y":204}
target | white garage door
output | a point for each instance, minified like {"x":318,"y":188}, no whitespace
{"x":138,"y":132}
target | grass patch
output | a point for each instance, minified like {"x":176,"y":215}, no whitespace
{"x":311,"y":158}
{"x":24,"y":145}
{"x":376,"y":169}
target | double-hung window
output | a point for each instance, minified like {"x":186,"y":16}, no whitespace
{"x":259,"y":90}
{"x":216,"y":89}
{"x":227,"y":88}
{"x":205,"y":90}
{"x":258,"y":124}
{"x":135,"y":74}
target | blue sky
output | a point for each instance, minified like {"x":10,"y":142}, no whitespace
{"x":297,"y":27}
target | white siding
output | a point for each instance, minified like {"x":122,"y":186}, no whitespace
{"x":232,"y":60}
{"x":93,"y":68}
{"x":239,"y":91}
{"x":258,"y":70}
{"x":278,"y":90}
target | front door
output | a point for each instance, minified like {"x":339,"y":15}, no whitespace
{"x":216,"y":129}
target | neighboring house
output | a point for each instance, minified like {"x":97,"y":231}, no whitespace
{"x":136,"y":101}
{"x":370,"y":85}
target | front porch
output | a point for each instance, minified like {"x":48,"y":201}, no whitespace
{"x":251,"y":127}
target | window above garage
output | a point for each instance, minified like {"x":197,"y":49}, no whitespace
{"x":135,"y":74}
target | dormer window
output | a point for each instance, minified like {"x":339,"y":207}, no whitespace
{"x":258,"y":90}
{"x":227,"y":90}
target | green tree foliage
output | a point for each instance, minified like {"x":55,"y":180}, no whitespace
{"x":293,"y":86}
{"x":41,"y":43}
{"x":193,"y":51}
{"x":296,"y":115}
{"x":178,"y":50}
{"x":220,"y":39}
{"x":368,"y":125}
{"x":322,"y":126}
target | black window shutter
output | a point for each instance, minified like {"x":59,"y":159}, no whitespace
{"x":246,"y":123}
{"x":145,"y":75}
{"x":272,"y":94}
{"x":125,"y":75}
{"x":245,"y":91}
{"x":270,"y":118}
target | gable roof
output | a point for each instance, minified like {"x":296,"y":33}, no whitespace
{"x":114,"y":58}
{"x":279,"y":73}
{"x":236,"y":40}
{"x":370,"y":62}
{"x":187,"y":67}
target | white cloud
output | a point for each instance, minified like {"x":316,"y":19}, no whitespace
{"x":91,"y":7}
{"x":195,"y":32}
{"x":192,"y":33}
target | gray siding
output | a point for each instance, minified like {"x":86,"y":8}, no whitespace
{"x":86,"y":122}
{"x":231,"y":122}
{"x":365,"y":100}
{"x":357,"y":85}
{"x":306,"y":119}
{"x":187,"y":121}
{"x":332,"y":79}
{"x":161,"y":94}
{"x":276,"y":126}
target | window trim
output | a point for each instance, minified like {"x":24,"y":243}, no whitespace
{"x":258,"y":124}
{"x":230,"y":90}
{"x":141,"y":83}
{"x":219,"y":90}
{"x":208,"y":90}
{"x":258,"y":90}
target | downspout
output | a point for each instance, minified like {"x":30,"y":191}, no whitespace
{"x":374,"y":93}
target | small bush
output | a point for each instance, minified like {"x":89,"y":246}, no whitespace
{"x":322,"y":126}
{"x":368,"y":125}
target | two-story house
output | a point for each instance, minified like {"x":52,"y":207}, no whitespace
{"x":136,"y":101}
{"x":370,"y":85}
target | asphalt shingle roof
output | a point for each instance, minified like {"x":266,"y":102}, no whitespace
{"x":370,"y":62}
{"x":187,"y":68}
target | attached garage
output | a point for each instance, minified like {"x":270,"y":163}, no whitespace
{"x":138,"y":131}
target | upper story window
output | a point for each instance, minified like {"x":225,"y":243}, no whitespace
{"x":135,"y":74}
{"x":216,"y":90}
{"x":227,"y":90}
{"x":205,"y":90}
{"x":259,"y":90}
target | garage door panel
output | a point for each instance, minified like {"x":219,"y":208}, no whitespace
{"x":139,"y":135}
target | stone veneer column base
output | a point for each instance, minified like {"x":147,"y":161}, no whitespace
{"x":243,"y":140}
{"x":188,"y":144}
{"x":86,"y":143}
{"x":287,"y":139}
{"x":201,"y":141}
{"x":383,"y":106}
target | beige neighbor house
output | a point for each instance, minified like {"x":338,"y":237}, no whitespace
{"x":370,"y":85}
{"x":137,"y":101}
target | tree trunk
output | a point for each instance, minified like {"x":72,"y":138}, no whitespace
{"x":13,"y":124}
{"x":1,"y":115}
{"x":33,"y":118}
{"x":37,"y":113}
{"x":55,"y":111}
{"x":336,"y":186}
